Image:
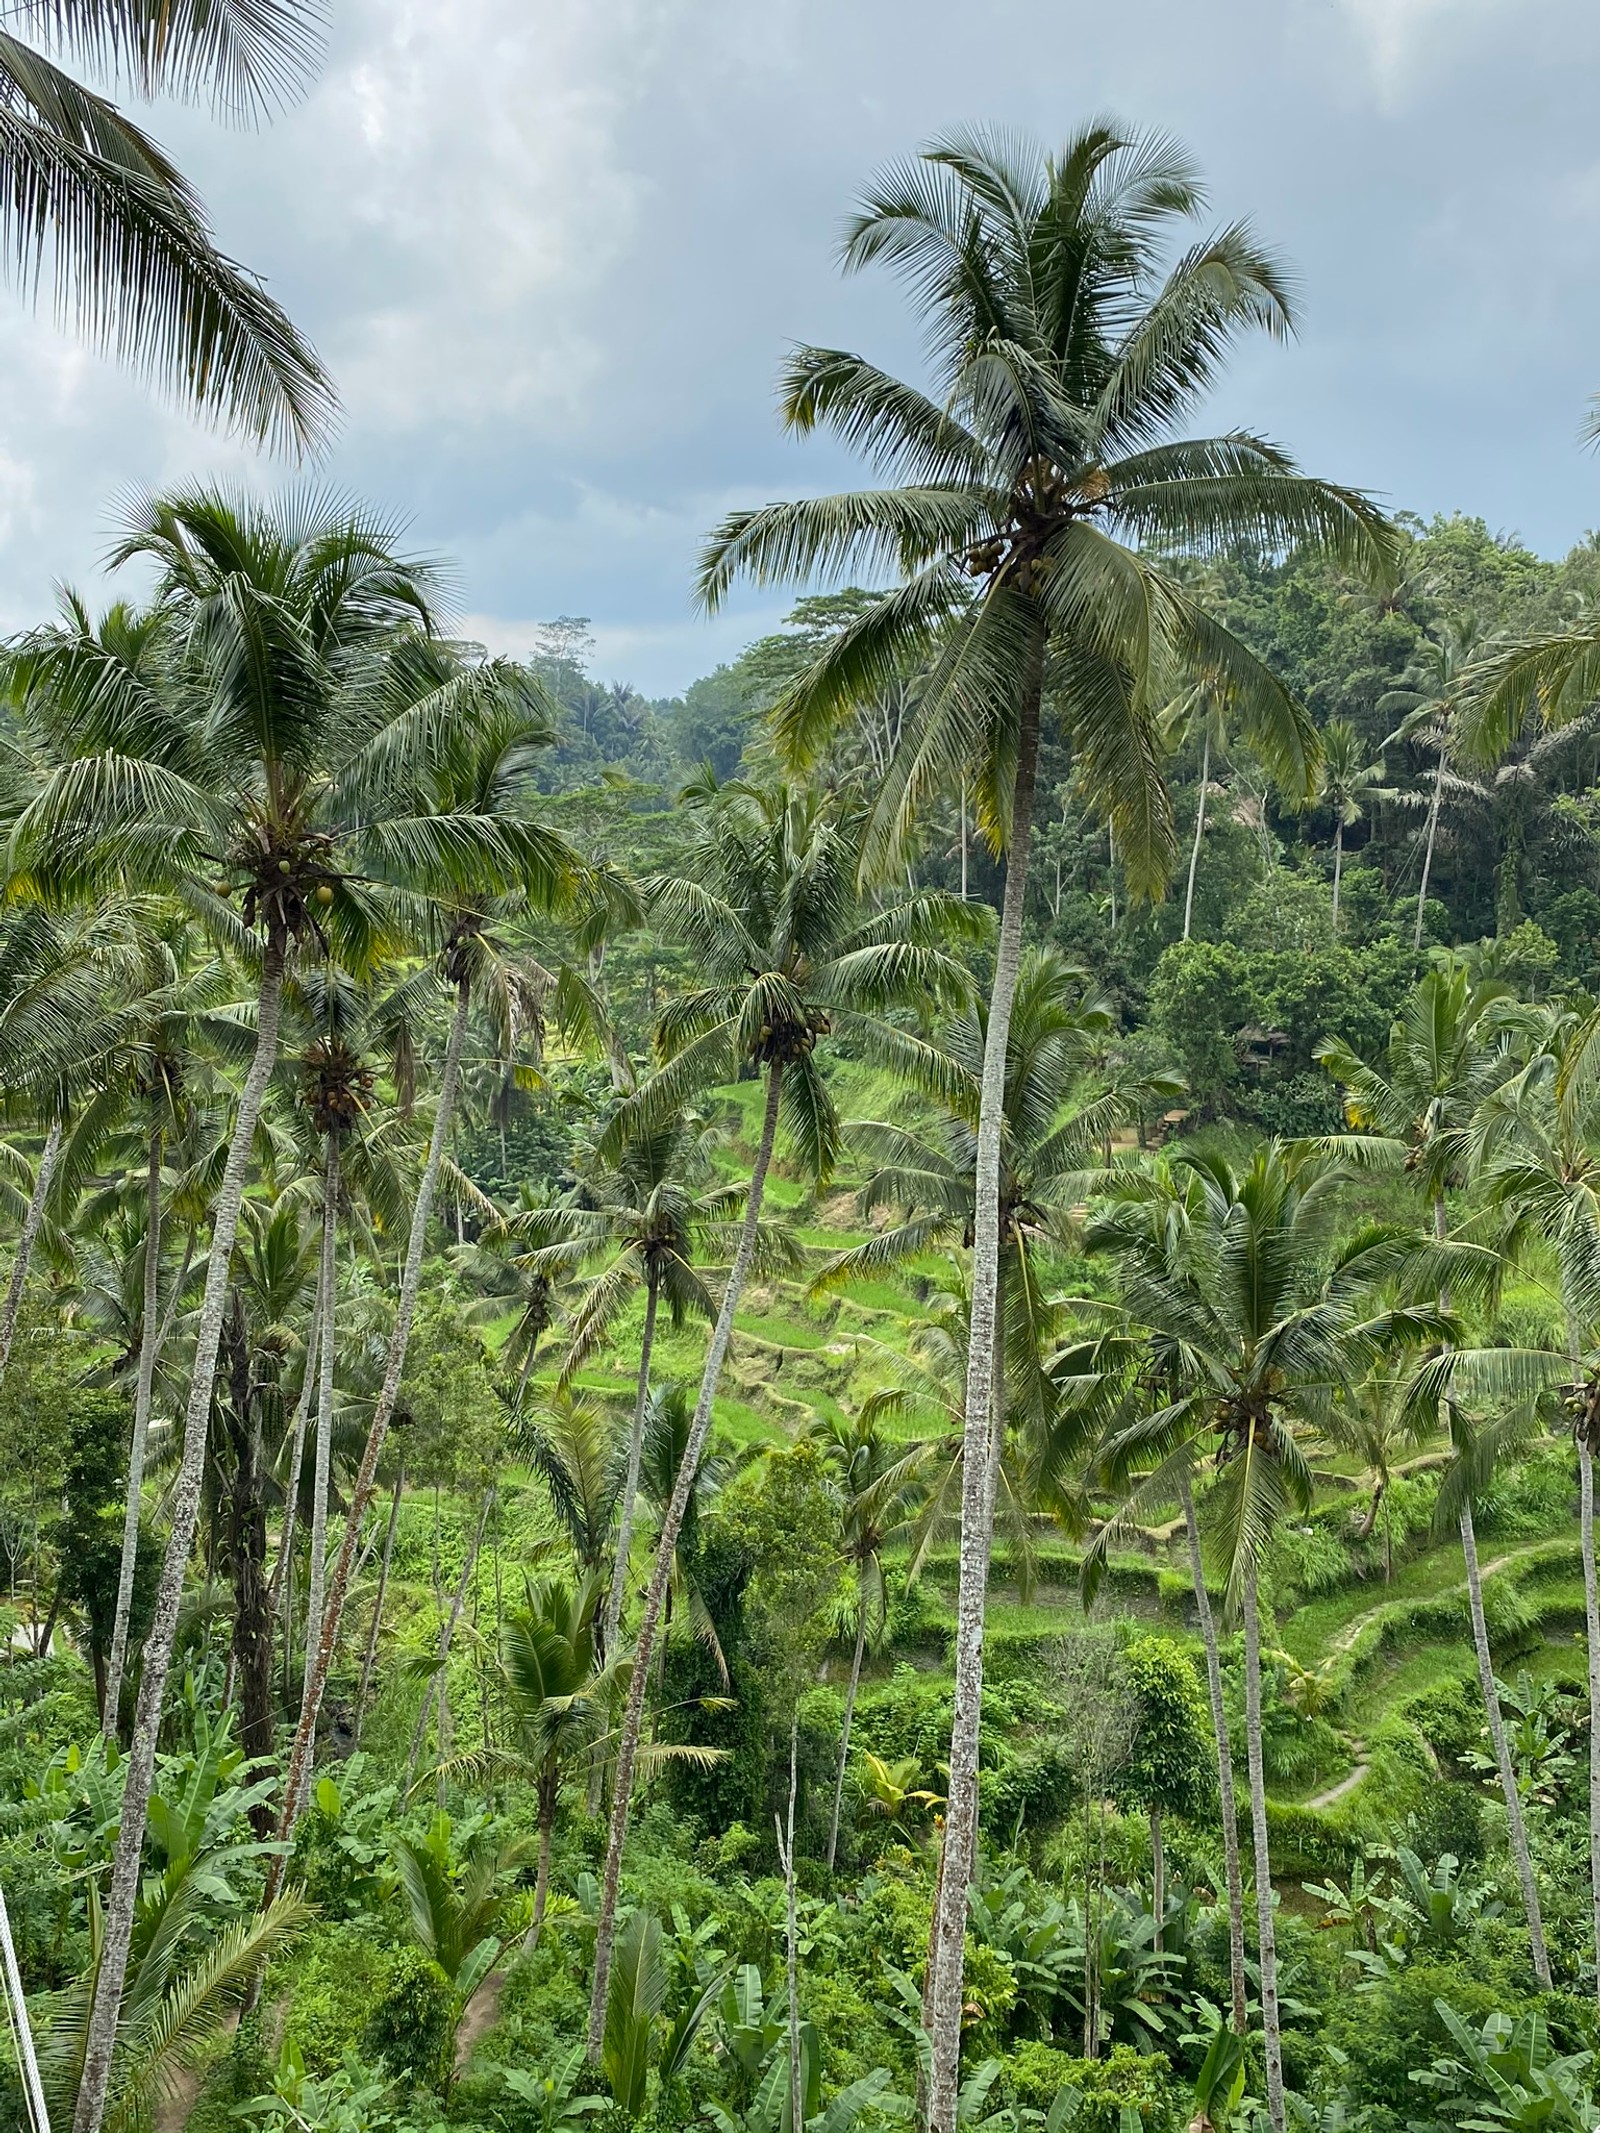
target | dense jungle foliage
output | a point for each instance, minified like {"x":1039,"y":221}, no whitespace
{"x":865,"y":1398}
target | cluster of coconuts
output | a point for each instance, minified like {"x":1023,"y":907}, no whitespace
{"x":792,"y":1040}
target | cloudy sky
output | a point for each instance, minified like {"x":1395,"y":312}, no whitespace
{"x":553,"y":250}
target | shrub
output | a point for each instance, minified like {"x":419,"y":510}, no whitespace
{"x":412,"y":2026}
{"x":1123,"y":2080}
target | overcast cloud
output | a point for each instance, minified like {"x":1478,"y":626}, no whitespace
{"x":553,"y":251}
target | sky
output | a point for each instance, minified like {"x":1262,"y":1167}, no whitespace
{"x":553,"y":252}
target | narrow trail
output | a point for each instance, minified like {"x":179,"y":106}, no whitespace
{"x":480,"y":2017}
{"x":1347,"y":1637}
{"x":174,"y":2108}
{"x":1335,"y":1793}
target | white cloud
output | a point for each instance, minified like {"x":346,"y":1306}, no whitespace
{"x":1399,"y":35}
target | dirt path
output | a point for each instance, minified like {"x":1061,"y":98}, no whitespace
{"x":173,"y":2109}
{"x":480,"y":2017}
{"x":1346,"y":1638}
{"x":1335,"y":1793}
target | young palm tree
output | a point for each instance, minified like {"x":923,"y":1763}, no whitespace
{"x":1426,"y":696}
{"x":1030,"y":486}
{"x":766,"y":900}
{"x":1349,"y":782}
{"x":1252,"y":1324}
{"x":877,"y":1490}
{"x":135,"y":265}
{"x":283,"y":751}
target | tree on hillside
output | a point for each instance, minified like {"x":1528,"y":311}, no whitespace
{"x":786,"y":957}
{"x":1028,"y":491}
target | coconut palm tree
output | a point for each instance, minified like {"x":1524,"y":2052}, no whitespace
{"x":644,"y":1220}
{"x":1426,"y":697}
{"x":786,"y":957}
{"x":292,"y":747}
{"x":456,"y":763}
{"x":1028,"y":491}
{"x":135,"y":266}
{"x":1347,"y":786}
{"x":1424,"y":1110}
{"x":1252,"y":1323}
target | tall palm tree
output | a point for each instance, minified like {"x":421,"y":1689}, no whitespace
{"x":1252,"y":1323}
{"x":280,"y":751}
{"x":136,"y":268}
{"x":1423,"y":1109}
{"x":1426,"y":696}
{"x":1348,"y":784}
{"x":786,"y":957}
{"x":643,"y":1219}
{"x":1029,"y":488}
{"x":456,"y":764}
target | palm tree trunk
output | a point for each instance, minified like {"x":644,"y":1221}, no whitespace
{"x":1199,"y":832}
{"x":1225,"y":1799}
{"x":447,"y":1637}
{"x":327,"y":1276}
{"x":377,"y":1605}
{"x":977,"y":1529}
{"x":1427,"y":848}
{"x":297,"y":1450}
{"x":630,"y":1485}
{"x":149,"y":1339}
{"x":1158,"y":1876}
{"x":547,"y":1790}
{"x":101,"y":2033}
{"x":1591,"y":1618}
{"x":31,"y":1223}
{"x":1517,"y":1828}
{"x":250,"y":1654}
{"x":666,"y":1545}
{"x":791,"y":1932}
{"x":1266,"y":1934}
{"x":1338,"y":870}
{"x":963,"y":837}
{"x":849,"y":1719}
{"x":382,"y":1413}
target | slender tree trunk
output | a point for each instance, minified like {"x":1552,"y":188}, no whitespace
{"x":149,"y":1340}
{"x":547,"y":1790}
{"x":327,"y":1277}
{"x":1427,"y":848}
{"x":656,"y":1592}
{"x":297,"y":1451}
{"x":1517,"y":1828}
{"x":977,"y":1528}
{"x":1591,"y":1619}
{"x":791,"y":1933}
{"x":377,"y":1605}
{"x":366,"y":1478}
{"x":250,"y":1656}
{"x":124,"y":1891}
{"x":963,"y":838}
{"x":1199,"y":832}
{"x":1368,"y":1525}
{"x":447,"y":1636}
{"x":31,"y":1223}
{"x":1223,"y":1767}
{"x":1266,"y":1932}
{"x":1338,"y":870}
{"x":1158,"y":1877}
{"x":630,"y":1487}
{"x":849,"y":1719}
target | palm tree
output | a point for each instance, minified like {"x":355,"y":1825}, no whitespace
{"x":1348,"y":783}
{"x":647,"y":1216}
{"x":766,"y":901}
{"x":1252,"y":1324}
{"x":876,"y":1494}
{"x":1033,"y":482}
{"x":1426,"y":696}
{"x":1423,"y":1109}
{"x":135,"y":265}
{"x":457,"y":760}
{"x":282,"y":752}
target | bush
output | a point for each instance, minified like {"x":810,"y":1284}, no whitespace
{"x":1123,"y":2080}
{"x":1385,"y":2033}
{"x":339,"y":1975}
{"x":412,"y":2026}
